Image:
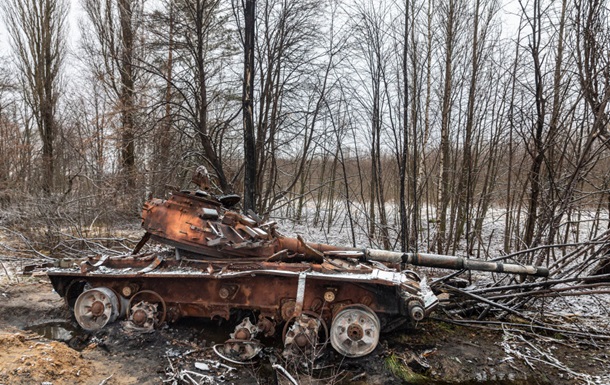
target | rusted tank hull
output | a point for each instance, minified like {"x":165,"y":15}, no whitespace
{"x":271,"y":295}
{"x":278,"y":291}
{"x":303,"y":300}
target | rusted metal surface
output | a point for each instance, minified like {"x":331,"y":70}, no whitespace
{"x":198,"y":289}
{"x":226,"y":261}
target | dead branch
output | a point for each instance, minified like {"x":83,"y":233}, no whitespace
{"x":500,"y":325}
{"x":26,"y":241}
{"x":494,"y":304}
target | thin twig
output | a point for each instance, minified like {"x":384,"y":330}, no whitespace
{"x":27,"y":242}
{"x":495,"y":304}
{"x":530,"y":327}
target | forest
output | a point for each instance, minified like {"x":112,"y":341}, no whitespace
{"x":474,"y":129}
{"x":409,"y":123}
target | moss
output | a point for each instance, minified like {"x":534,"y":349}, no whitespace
{"x":403,"y":339}
{"x":445,"y":326}
{"x":559,"y":336}
{"x":398,"y":368}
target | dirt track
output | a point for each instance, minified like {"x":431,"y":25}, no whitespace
{"x":433,"y":352}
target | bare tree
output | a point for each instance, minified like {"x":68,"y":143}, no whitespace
{"x":451,"y":19}
{"x":291,"y":84}
{"x":37,"y":29}
{"x":198,"y":97}
{"x":373,"y":48}
{"x":10,"y":133}
{"x":592,"y":39}
{"x":483,"y":14}
{"x":250,"y":161}
{"x":539,"y":143}
{"x":111,"y":35}
{"x":163,"y":26}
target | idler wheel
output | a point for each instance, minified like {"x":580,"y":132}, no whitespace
{"x":355,"y":331}
{"x":304,"y":333}
{"x":96,"y":307}
{"x":144,"y":306}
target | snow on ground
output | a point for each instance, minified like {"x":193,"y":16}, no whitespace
{"x":592,"y":312}
{"x":584,"y":224}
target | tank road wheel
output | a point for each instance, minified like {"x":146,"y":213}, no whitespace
{"x":241,"y":347}
{"x":96,"y":307}
{"x":146,"y":309}
{"x":304,"y":333}
{"x":355,"y":331}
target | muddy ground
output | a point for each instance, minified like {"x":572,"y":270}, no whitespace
{"x":41,"y":344}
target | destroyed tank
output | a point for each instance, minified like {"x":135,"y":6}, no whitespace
{"x":224,"y":262}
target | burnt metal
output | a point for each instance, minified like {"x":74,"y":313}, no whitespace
{"x":225,"y":261}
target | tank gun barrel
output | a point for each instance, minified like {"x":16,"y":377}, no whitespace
{"x":453,"y":262}
{"x":423,"y":259}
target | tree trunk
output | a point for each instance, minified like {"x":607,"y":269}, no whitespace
{"x":534,"y":175}
{"x":465,"y":186}
{"x":444,"y":186}
{"x":37,"y":32}
{"x":250,"y":161}
{"x":127,"y":96}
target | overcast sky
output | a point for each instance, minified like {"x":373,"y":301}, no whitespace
{"x":508,"y":12}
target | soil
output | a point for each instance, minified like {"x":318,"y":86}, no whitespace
{"x":41,"y":344}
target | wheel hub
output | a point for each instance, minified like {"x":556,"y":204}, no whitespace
{"x":96,"y":307}
{"x":302,"y":334}
{"x":147,"y":309}
{"x":242,"y":346}
{"x":144,"y":315}
{"x":139,"y":316}
{"x":355,"y":331}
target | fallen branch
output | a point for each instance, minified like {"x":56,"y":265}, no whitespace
{"x":542,"y":357}
{"x":8,"y":276}
{"x":549,"y":282}
{"x":530,"y":327}
{"x":559,"y":291}
{"x":494,"y":304}
{"x":285,"y":373}
{"x":27,"y":242}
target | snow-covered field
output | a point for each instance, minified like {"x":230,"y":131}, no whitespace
{"x":582,"y":225}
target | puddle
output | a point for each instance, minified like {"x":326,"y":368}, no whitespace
{"x":62,"y":331}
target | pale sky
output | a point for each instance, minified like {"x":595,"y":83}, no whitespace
{"x":509,"y":12}
{"x":73,"y":31}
